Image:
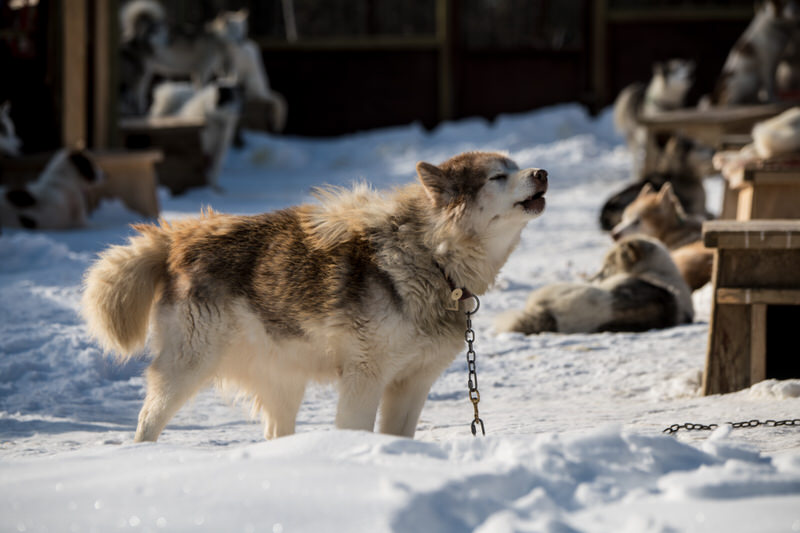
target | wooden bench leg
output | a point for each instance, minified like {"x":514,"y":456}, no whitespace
{"x":758,"y":343}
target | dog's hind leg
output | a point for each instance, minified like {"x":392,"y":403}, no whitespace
{"x":185,"y":361}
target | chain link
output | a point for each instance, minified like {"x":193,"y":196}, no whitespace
{"x":674,"y":428}
{"x":472,"y":381}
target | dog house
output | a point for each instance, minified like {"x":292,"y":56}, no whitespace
{"x":764,"y":188}
{"x":756,"y":303}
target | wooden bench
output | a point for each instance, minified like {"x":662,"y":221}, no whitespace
{"x":184,"y":164}
{"x":763,"y":189}
{"x":132,"y":177}
{"x":755,"y":309}
{"x":710,"y":127}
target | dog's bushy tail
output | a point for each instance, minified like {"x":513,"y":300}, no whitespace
{"x":525,"y":321}
{"x":120,"y":287}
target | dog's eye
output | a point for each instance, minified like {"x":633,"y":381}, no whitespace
{"x":499,"y":177}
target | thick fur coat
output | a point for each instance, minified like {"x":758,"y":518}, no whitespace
{"x":353,"y":289}
{"x":639,"y":288}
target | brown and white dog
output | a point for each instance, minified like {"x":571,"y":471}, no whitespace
{"x":63,"y":196}
{"x":354,"y":289}
{"x":659,"y":214}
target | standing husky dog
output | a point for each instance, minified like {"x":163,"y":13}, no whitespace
{"x":637,"y":289}
{"x":748,"y":75}
{"x":660,"y":215}
{"x":354,"y":290}
{"x":666,"y":92}
{"x":151,"y":47}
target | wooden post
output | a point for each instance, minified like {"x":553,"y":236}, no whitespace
{"x":74,"y":127}
{"x":103,"y":51}
{"x":600,"y":53}
{"x":758,"y":343}
{"x":444,"y":37}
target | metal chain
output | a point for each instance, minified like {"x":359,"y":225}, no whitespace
{"x":674,"y":428}
{"x":472,"y":382}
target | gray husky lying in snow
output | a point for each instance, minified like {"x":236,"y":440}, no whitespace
{"x":639,"y":288}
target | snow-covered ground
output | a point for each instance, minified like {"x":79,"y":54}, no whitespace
{"x":574,"y":422}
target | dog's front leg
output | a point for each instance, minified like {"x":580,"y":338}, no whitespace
{"x":402,"y":404}
{"x":360,"y":390}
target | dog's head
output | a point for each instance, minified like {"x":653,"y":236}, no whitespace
{"x":58,"y":199}
{"x":231,"y":25}
{"x":651,"y":213}
{"x":9,"y":142}
{"x":482,"y":190}
{"x":635,"y":254}
{"x":671,"y":81}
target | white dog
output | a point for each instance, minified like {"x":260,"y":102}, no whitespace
{"x":67,"y":190}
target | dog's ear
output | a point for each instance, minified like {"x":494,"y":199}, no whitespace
{"x":666,"y":194}
{"x":646,"y":189}
{"x":20,"y":198}
{"x":630,"y":252}
{"x":434,"y":180}
{"x":84,"y":165}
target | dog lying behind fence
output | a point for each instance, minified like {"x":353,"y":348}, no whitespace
{"x":356,"y":289}
{"x":638,"y":289}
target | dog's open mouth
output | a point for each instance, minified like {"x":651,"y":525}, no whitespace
{"x":533,"y":204}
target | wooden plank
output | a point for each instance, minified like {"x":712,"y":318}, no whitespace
{"x":714,"y":115}
{"x":758,"y":342}
{"x":776,"y":201}
{"x":682,"y":14}
{"x":131,"y":176}
{"x":757,"y":234}
{"x":787,"y":177}
{"x":600,"y":52}
{"x":74,"y":68}
{"x":727,"y":295}
{"x":728,"y":360}
{"x":759,"y":268}
{"x":730,"y":203}
{"x":387,"y":43}
{"x":744,"y":205}
{"x":162,"y":124}
{"x":102,"y":73}
{"x":710,"y":363}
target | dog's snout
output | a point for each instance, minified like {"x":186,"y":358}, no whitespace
{"x":540,"y":175}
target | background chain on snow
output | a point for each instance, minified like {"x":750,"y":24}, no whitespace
{"x":674,"y":428}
